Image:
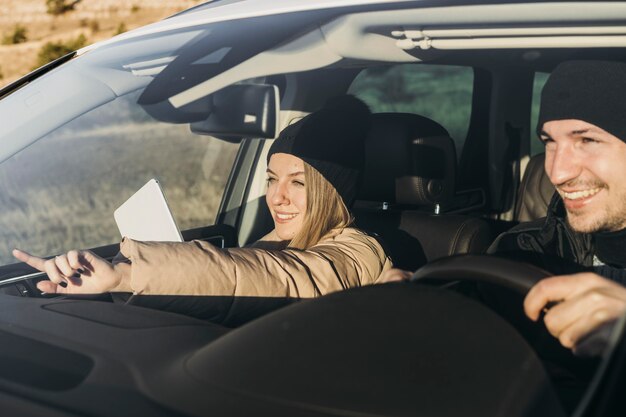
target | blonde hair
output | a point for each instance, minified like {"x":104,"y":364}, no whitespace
{"x":325,"y":210}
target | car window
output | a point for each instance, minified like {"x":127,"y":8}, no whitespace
{"x":60,"y":193}
{"x":440,"y":92}
{"x":535,"y":144}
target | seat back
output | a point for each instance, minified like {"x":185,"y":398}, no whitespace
{"x":535,"y":191}
{"x":410,"y":159}
{"x":410,"y":167}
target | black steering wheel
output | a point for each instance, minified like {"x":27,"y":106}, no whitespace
{"x":516,"y":275}
{"x":388,"y":350}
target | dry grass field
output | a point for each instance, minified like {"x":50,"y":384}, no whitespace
{"x":60,"y":193}
{"x":95,"y":19}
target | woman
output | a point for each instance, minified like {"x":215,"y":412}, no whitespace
{"x":313,"y":172}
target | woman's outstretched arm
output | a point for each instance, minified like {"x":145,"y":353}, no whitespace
{"x":75,"y":272}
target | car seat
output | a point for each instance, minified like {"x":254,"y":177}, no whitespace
{"x":535,"y":191}
{"x":410,"y":172}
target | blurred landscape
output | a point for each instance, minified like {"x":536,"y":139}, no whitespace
{"x":48,"y":214}
{"x":61,"y":192}
{"x":26,"y":27}
{"x":441,"y":93}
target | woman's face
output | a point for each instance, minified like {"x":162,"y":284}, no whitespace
{"x":286,"y":196}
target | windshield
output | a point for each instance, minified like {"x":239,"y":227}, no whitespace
{"x":61,"y":191}
{"x":105,"y":125}
{"x":162,"y":65}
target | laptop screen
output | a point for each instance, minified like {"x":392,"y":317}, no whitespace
{"x":146,"y":216}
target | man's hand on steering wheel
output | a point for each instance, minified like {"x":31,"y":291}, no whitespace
{"x":585,"y":302}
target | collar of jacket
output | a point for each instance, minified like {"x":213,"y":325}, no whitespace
{"x":570,"y":244}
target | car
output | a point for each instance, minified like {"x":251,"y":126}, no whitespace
{"x":195,"y":101}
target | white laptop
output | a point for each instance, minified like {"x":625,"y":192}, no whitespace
{"x":146,"y":216}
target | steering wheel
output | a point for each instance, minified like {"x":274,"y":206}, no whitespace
{"x":415,"y":346}
{"x":515,"y":275}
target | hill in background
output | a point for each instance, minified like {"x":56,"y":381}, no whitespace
{"x":29,"y":23}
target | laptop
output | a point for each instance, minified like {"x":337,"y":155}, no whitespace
{"x":146,"y":216}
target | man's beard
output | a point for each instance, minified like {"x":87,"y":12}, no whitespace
{"x":608,"y":221}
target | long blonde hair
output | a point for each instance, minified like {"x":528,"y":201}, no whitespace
{"x":325,"y":210}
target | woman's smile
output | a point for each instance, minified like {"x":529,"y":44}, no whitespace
{"x":284,"y":217}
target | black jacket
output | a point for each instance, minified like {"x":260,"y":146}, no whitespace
{"x":552,"y":245}
{"x":549,"y":236}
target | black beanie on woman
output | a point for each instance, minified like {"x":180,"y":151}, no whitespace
{"x":332,"y":141}
{"x":591,"y":91}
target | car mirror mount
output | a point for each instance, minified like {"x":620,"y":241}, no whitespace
{"x":242,"y":111}
{"x":245,"y":110}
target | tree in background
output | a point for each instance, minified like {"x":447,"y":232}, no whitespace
{"x":61,"y":6}
{"x":17,"y":36}
{"x":53,"y":50}
{"x":121,"y":28}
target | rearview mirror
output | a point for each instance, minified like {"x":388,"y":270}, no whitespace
{"x":242,"y":111}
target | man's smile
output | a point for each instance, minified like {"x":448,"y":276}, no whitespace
{"x":575,"y":200}
{"x":579,"y":194}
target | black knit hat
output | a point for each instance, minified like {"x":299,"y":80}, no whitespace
{"x":592,"y":91}
{"x":332,"y":141}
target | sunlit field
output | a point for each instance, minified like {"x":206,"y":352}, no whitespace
{"x":95,"y":20}
{"x":61,"y":192}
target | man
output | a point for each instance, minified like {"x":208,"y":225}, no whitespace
{"x":582,"y":123}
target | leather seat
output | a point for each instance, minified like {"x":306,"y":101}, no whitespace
{"x":535,"y":191}
{"x":410,"y":159}
{"x":409,"y":170}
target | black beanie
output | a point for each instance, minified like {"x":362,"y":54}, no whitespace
{"x":592,"y":91}
{"x":332,"y":141}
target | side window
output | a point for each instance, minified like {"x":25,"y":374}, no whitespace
{"x":535,"y":144}
{"x":60,"y":193}
{"x":440,"y":92}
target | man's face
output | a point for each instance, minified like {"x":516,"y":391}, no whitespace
{"x":587,"y":165}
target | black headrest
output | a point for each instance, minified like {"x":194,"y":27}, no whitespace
{"x":409,"y":159}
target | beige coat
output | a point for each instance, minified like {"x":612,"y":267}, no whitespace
{"x":344,"y":259}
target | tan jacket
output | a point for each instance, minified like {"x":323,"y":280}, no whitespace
{"x":344,"y":259}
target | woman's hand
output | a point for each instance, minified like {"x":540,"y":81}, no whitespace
{"x":586,"y":302}
{"x":76,"y":272}
{"x":395,"y":275}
